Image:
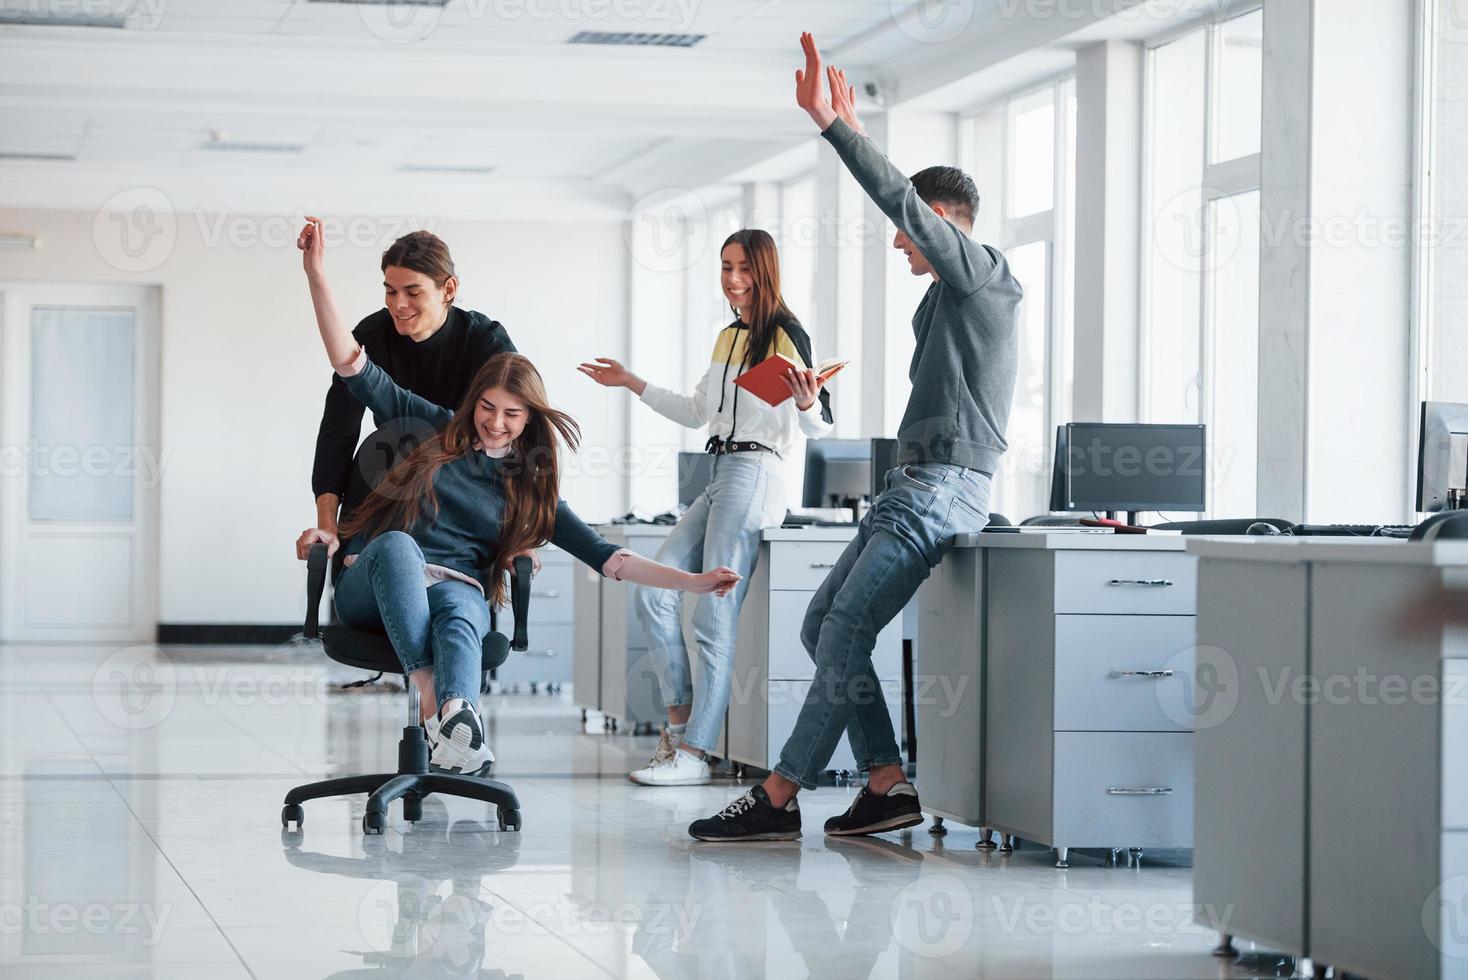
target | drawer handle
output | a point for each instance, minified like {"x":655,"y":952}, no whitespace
{"x":540,"y":653}
{"x":823,"y":564}
{"x":1152,"y":582}
{"x":1150,"y":674}
{"x":547,"y":594}
{"x":1142,"y":791}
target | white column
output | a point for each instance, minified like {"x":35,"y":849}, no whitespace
{"x":1336,"y":259}
{"x":1108,"y":231}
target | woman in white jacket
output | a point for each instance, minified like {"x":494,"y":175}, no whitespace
{"x":746,"y":493}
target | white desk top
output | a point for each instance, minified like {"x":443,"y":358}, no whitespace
{"x":1288,"y":549}
{"x":809,"y":532}
{"x":1072,"y":541}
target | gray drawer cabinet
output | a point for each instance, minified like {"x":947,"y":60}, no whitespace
{"x":772,"y":671}
{"x":1082,"y":636}
{"x":547,"y":664}
{"x":629,"y":693}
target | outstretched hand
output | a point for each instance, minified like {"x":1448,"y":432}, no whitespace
{"x":843,"y":99}
{"x":808,"y":91}
{"x":312,"y":243}
{"x":720,"y":581}
{"x":605,"y":371}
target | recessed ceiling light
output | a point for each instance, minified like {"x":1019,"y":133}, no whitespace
{"x":32,"y":157}
{"x":246,"y":146}
{"x":432,"y":168}
{"x":18,"y":242}
{"x":635,"y":39}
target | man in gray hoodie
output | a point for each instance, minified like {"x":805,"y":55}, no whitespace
{"x":949,"y":446}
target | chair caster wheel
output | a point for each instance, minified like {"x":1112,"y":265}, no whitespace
{"x":534,"y":687}
{"x":292,"y":813}
{"x":412,"y":808}
{"x":509,"y":819}
{"x":373,"y":823}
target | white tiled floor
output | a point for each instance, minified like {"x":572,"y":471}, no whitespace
{"x":140,"y":794}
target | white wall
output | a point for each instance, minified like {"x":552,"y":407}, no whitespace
{"x":243,"y":374}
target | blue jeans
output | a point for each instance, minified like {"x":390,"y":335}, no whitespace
{"x":745,"y":495}
{"x":442,"y":625}
{"x":904,"y":535}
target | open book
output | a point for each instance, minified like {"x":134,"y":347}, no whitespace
{"x":767,"y":378}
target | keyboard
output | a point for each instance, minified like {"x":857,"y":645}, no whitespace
{"x":1353,"y":530}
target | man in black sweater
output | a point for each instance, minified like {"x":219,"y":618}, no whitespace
{"x":424,"y":343}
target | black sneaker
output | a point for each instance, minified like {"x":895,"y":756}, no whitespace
{"x":873,"y":814}
{"x":751,"y":817}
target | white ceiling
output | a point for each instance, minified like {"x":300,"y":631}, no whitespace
{"x":405,"y":107}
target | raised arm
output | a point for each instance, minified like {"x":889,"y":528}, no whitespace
{"x":956,"y":258}
{"x":340,"y":345}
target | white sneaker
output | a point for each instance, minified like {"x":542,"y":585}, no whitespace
{"x":681,"y":769}
{"x":459,"y":745}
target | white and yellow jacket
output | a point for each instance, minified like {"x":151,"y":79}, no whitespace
{"x":734,"y":414}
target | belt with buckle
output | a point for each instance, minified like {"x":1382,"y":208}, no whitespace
{"x":720,"y":447}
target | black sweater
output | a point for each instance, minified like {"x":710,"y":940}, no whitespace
{"x":438,"y":369}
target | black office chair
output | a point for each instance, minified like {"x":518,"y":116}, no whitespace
{"x":1227,"y":525}
{"x":1446,"y":526}
{"x":373,"y":651}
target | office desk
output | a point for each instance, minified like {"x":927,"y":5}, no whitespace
{"x":772,"y":671}
{"x":1332,"y":816}
{"x":1049,"y":665}
{"x":627,"y":683}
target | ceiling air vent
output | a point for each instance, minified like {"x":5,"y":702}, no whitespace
{"x":636,"y":39}
{"x":34,"y":157}
{"x":432,"y":168}
{"x":41,"y":18}
{"x":242,"y":146}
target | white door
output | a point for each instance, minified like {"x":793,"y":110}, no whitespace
{"x":80,"y":463}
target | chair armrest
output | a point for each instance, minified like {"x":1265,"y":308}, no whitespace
{"x":316,"y":562}
{"x":520,"y":601}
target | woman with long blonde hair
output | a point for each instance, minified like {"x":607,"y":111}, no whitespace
{"x":483,"y":489}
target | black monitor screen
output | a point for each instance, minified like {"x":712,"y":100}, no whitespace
{"x":1110,"y":466}
{"x":1442,"y":455}
{"x":836,"y":470}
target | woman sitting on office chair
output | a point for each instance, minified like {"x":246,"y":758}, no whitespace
{"x":746,"y":494}
{"x":484,"y":489}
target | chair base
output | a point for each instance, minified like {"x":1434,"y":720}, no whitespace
{"x":410,"y":783}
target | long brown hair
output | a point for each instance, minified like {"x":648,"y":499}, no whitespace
{"x":768,"y":307}
{"x":532,"y":475}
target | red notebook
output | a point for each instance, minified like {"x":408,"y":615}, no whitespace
{"x":767,"y":378}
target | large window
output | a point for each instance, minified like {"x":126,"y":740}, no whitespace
{"x":1200,"y":319}
{"x":1025,"y":149}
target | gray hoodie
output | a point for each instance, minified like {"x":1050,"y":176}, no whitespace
{"x":966,"y":326}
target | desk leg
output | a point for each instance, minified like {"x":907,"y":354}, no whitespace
{"x":1006,"y":843}
{"x":1226,"y":947}
{"x":1061,"y":853}
{"x":936,"y":828}
{"x":986,"y":839}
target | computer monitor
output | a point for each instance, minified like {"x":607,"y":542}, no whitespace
{"x":884,"y":458}
{"x":1442,"y":457}
{"x":838,"y":472}
{"x":694,"y":471}
{"x":1128,"y":467}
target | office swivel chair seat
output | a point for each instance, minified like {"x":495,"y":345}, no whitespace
{"x":373,"y":651}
